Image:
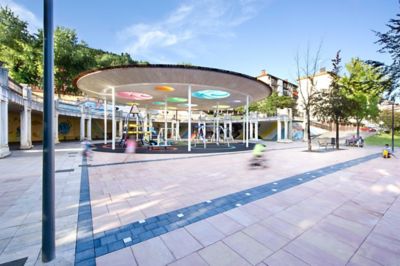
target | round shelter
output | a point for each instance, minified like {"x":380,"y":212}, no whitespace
{"x":172,"y":87}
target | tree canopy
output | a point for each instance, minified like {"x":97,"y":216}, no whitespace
{"x":21,"y":53}
{"x":270,"y":104}
{"x":390,"y":43}
{"x":364,"y":86}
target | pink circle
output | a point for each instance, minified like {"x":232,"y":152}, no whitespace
{"x":131,"y":95}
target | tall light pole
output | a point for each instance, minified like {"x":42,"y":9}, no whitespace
{"x":393,"y":126}
{"x":48,"y":186}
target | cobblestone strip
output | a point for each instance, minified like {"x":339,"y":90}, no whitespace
{"x":84,"y":249}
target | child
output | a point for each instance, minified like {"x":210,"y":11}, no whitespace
{"x":386,"y":151}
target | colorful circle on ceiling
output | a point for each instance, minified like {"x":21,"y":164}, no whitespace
{"x":211,"y":94}
{"x":221,"y":106}
{"x":171,"y":108}
{"x":237,"y":101}
{"x":187,"y":105}
{"x":176,"y":100}
{"x":132,"y":103}
{"x":164,"y":88}
{"x":159,"y":103}
{"x":136,"y":96}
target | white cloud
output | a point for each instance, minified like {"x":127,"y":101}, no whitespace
{"x":24,"y":14}
{"x":190,"y":27}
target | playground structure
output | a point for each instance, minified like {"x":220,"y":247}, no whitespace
{"x":173,"y":104}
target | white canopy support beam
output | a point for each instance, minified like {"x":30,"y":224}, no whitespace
{"x":189,"y":118}
{"x":113,"y":125}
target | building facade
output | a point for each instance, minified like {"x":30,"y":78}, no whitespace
{"x":282,"y":86}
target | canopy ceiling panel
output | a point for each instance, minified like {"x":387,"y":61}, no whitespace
{"x":145,"y":80}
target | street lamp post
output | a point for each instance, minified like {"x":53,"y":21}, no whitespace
{"x":392,"y":126}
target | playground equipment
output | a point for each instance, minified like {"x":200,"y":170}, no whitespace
{"x":136,"y":125}
{"x":219,"y":133}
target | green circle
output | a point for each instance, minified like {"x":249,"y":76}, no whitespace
{"x":176,"y":100}
{"x":159,"y":103}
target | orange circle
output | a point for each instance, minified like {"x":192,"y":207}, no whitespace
{"x":164,"y":88}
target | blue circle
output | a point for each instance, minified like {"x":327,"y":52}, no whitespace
{"x":211,"y":94}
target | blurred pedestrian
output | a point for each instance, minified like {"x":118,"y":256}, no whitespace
{"x":130,"y":145}
{"x":87,"y":149}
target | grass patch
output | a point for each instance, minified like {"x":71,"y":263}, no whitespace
{"x":382,"y":139}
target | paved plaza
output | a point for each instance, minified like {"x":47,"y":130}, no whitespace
{"x":320,"y":208}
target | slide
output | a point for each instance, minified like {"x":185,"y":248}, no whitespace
{"x":267,"y":130}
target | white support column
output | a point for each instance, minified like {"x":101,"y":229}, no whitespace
{"x":256,"y":127}
{"x":26,"y":125}
{"x":279,"y":130}
{"x":105,"y":121}
{"x":165,"y":123}
{"x":217,"y":125}
{"x":56,"y":138}
{"x":225,"y":129}
{"x":82,"y":123}
{"x":113,"y":119}
{"x":247,"y":121}
{"x":89,"y":126}
{"x":190,"y":118}
{"x":244,"y":128}
{"x":251,"y":125}
{"x":286,"y":129}
{"x":177,"y":135}
{"x":4,"y":149}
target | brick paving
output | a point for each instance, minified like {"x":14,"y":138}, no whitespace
{"x":346,"y":215}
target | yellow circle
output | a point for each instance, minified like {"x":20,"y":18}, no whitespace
{"x":164,"y":88}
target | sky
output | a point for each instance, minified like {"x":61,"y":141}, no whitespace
{"x":245,"y":36}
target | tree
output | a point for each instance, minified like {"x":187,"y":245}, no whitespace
{"x":273,"y":102}
{"x":364,"y":86}
{"x":307,"y":86}
{"x":19,"y":50}
{"x":70,"y":59}
{"x":332,"y":104}
{"x":385,"y":117}
{"x":22,"y":54}
{"x":390,"y":42}
{"x":269,"y":104}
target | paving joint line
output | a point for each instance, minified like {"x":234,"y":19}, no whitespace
{"x":89,"y":245}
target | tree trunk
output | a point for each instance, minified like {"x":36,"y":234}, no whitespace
{"x":337,"y":134}
{"x":308,"y":129}
{"x":358,"y":128}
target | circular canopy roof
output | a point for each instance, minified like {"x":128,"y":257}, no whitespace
{"x":149,"y":84}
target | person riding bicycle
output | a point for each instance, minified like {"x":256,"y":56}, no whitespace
{"x":258,"y":154}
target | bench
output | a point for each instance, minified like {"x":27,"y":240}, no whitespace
{"x":327,"y":142}
{"x":323,"y":143}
